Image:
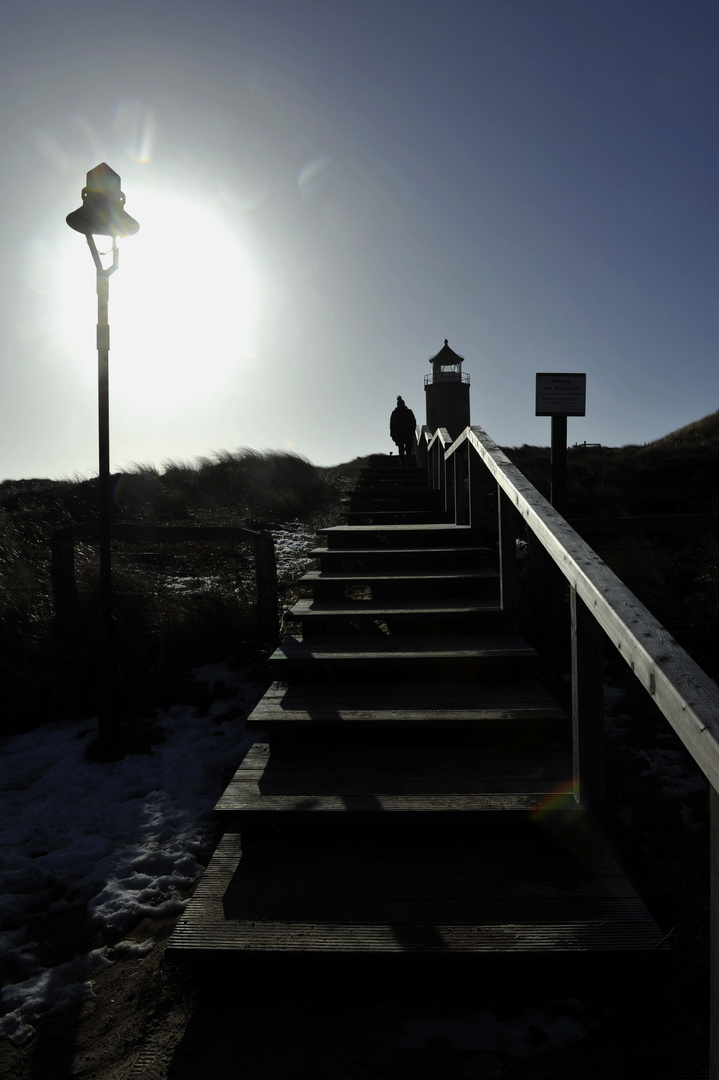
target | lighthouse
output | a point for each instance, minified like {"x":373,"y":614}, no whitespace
{"x":447,"y":392}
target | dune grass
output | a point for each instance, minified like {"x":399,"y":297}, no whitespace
{"x":177,"y":605}
{"x":675,"y":573}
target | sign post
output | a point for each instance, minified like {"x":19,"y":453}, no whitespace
{"x":560,"y":395}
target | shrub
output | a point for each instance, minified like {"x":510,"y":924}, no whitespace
{"x":176,"y":605}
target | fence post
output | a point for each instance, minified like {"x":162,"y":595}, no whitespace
{"x":266,"y":578}
{"x":587,"y":705}
{"x":62,"y":575}
{"x":508,"y":562}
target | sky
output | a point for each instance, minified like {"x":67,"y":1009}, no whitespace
{"x":326,"y":191}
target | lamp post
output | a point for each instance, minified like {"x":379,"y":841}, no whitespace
{"x":102,"y":214}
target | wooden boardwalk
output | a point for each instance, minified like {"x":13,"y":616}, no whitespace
{"x":410,"y":787}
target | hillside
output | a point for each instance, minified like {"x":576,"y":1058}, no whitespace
{"x":177,"y":605}
{"x":701,"y":433}
{"x":187,"y":604}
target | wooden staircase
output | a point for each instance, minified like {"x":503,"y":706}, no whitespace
{"x":410,"y":789}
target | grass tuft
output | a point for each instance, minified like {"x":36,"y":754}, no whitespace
{"x":177,"y":605}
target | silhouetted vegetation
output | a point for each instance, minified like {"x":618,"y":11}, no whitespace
{"x":177,"y":605}
{"x":674,"y":572}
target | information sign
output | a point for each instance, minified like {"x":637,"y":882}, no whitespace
{"x":561,"y":394}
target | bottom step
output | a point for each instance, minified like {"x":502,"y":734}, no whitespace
{"x":484,"y":900}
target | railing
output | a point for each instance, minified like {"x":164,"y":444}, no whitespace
{"x":600,"y":604}
{"x":447,"y":376}
{"x":62,"y":568}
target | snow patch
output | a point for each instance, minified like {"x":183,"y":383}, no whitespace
{"x":124,"y":839}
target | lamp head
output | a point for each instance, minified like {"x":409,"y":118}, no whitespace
{"x":102,"y":213}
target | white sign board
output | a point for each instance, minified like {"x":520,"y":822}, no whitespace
{"x":561,"y":394}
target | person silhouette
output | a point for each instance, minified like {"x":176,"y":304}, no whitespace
{"x":402,"y":427}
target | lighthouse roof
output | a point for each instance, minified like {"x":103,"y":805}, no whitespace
{"x":446,"y":357}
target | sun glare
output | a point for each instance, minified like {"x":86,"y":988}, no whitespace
{"x":183,"y":306}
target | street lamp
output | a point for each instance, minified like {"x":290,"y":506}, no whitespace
{"x":102,"y":214}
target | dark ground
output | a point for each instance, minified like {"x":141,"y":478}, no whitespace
{"x":149,"y":1020}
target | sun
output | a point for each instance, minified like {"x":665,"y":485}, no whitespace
{"x":183,"y":307}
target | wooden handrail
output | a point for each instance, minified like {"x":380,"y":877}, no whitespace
{"x":62,"y":545}
{"x":684,"y":693}
{"x":600,"y":604}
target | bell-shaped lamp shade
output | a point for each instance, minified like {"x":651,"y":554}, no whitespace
{"x":102,"y":212}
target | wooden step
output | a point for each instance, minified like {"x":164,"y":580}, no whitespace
{"x":379,"y":795}
{"x":393,"y":473}
{"x":481,"y":900}
{"x":388,"y":649}
{"x":383,"y":507}
{"x":385,"y":657}
{"x":396,"y":493}
{"x":382,"y":554}
{"x":435,"y":534}
{"x":419,"y":577}
{"x":421,"y":615}
{"x":395,"y":517}
{"x":436,"y":583}
{"x":402,"y":559}
{"x":409,"y":500}
{"x":406,"y":703}
{"x":451,"y":608}
{"x":407,"y":713}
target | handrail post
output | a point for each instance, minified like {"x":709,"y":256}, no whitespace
{"x":509,"y":584}
{"x":714,"y":934}
{"x":477,"y":478}
{"x":450,"y":488}
{"x":267,"y":595}
{"x":461,"y":474}
{"x":434,"y":465}
{"x":587,"y":706}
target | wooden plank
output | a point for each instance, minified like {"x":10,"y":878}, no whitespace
{"x":430,"y":608}
{"x":369,"y":577}
{"x":422,"y":703}
{"x":391,"y":648}
{"x":414,"y":884}
{"x":382,"y":518}
{"x":399,"y":768}
{"x":421,"y":533}
{"x":395,"y":493}
{"x":381,"y":553}
{"x":378,"y":780}
{"x":238,"y":803}
{"x":205,"y":930}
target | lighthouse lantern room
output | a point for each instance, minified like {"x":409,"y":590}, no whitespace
{"x":447,"y":392}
